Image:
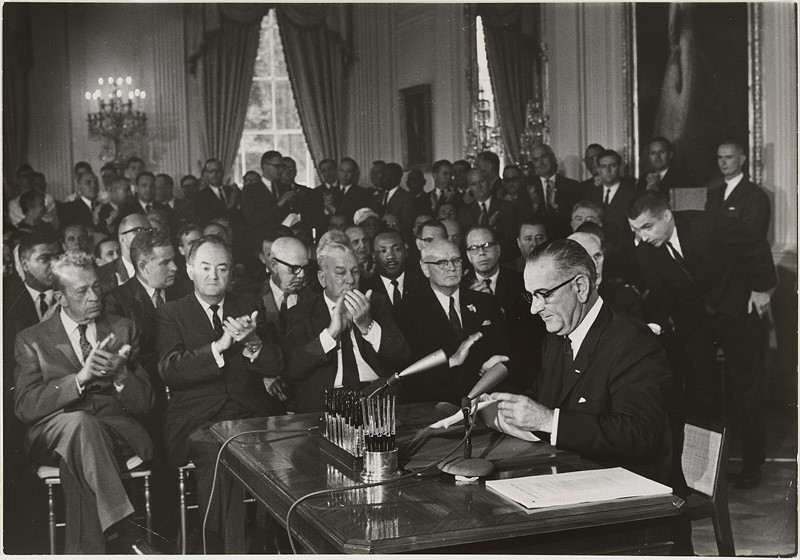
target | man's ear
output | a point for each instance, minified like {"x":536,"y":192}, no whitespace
{"x":189,"y":270}
{"x":59,"y":297}
{"x":321,"y":278}
{"x":582,"y":282}
{"x":425,"y":270}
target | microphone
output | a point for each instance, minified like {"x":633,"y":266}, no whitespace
{"x":431,"y":361}
{"x":468,"y":466}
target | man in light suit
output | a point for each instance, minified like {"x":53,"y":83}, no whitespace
{"x":213,"y":360}
{"x":602,"y":389}
{"x":341,"y":337}
{"x":77,"y":391}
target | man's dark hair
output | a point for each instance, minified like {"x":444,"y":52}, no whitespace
{"x":166,"y":178}
{"x":35,"y":238}
{"x":481,"y":228}
{"x":609,"y":153}
{"x":82,"y":165}
{"x":512,"y":166}
{"x":733,"y":142}
{"x":110,"y":166}
{"x":569,"y":259}
{"x":594,"y":147}
{"x":348,"y":159}
{"x":492,"y":158}
{"x":27,"y":199}
{"x":530,"y":222}
{"x":134,"y":159}
{"x":667,"y":143}
{"x":591,"y":227}
{"x":186,"y":177}
{"x":378,"y":162}
{"x":324,"y":161}
{"x":145,"y":174}
{"x":385,"y":232}
{"x":143,"y":244}
{"x":394,"y":174}
{"x":23,"y":168}
{"x":209,"y":160}
{"x":651,"y":200}
{"x":463,"y":163}
{"x":187,"y":228}
{"x":438,"y":164}
{"x":434,"y":224}
{"x":208,"y":240}
{"x":98,"y":248}
{"x":270,"y":154}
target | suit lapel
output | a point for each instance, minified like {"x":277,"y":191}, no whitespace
{"x":58,"y":335}
{"x":271,"y":310}
{"x":587,"y":350}
{"x":470,"y":321}
{"x":199,"y":317}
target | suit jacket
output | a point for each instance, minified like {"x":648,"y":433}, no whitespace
{"x":133,"y":206}
{"x":183,"y":212}
{"x":747,"y":202}
{"x":19,"y":313}
{"x":374,"y":283}
{"x":260,"y":209}
{"x":108,"y":219}
{"x":725,"y":259}
{"x":400,"y":205}
{"x":107,"y":275}
{"x":208,"y":205}
{"x":427,"y":328}
{"x":567,"y":194}
{"x":507,"y":293}
{"x":505,"y":227}
{"x":674,"y":178}
{"x":272,"y":316}
{"x":45,"y":382}
{"x":355,"y":198}
{"x":313,"y":213}
{"x":313,"y":370}
{"x":199,"y":389}
{"x":613,"y":407}
{"x":75,"y":212}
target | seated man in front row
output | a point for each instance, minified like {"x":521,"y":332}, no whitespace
{"x":603,"y":384}
{"x":77,"y":391}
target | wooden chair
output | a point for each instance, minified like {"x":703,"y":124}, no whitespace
{"x":134,"y":471}
{"x":704,"y":462}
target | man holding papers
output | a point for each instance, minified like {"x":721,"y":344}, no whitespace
{"x":603,"y":384}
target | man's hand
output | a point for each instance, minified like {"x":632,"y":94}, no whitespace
{"x":479,"y":286}
{"x":652,"y":180}
{"x":523,"y":413}
{"x":493,"y":218}
{"x":286,"y":197}
{"x":340,"y":318}
{"x":597,"y":181}
{"x":759,"y":302}
{"x":461,"y":354}
{"x":276,"y":387}
{"x":491,"y":362}
{"x":358,"y":306}
{"x":241,"y":329}
{"x":327,"y":201}
{"x":101,"y":364}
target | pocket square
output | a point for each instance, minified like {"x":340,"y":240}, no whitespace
{"x":486,"y":323}
{"x":581,"y":400}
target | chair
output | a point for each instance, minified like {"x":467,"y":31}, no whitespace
{"x":704,"y":462}
{"x":134,"y":471}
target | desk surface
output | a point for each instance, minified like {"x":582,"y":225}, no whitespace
{"x":283,"y":462}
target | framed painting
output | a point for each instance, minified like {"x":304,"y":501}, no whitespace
{"x":415,"y":105}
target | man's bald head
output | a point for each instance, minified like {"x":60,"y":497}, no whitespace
{"x":128,"y":228}
{"x":287,"y":264}
{"x":287,"y":247}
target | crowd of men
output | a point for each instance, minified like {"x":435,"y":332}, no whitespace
{"x":136,"y":319}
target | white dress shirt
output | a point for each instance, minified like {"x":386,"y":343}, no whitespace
{"x":731,"y":184}
{"x":387,"y":283}
{"x":373,"y":337}
{"x":268,"y":184}
{"x":444,"y":301}
{"x":611,"y":190}
{"x":391,"y":194}
{"x":207,"y":308}
{"x":675,"y":242}
{"x":48,"y":297}
{"x":278,"y":295}
{"x":492,"y":279}
{"x":129,"y":268}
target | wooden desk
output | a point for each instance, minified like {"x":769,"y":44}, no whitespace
{"x":284,"y":462}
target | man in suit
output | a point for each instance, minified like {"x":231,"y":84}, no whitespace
{"x":488,"y":210}
{"x":181,"y":209}
{"x":489,"y":163}
{"x":663,"y":175}
{"x":264,"y":205}
{"x":557,"y":194}
{"x":110,"y":214}
{"x":586,"y":211}
{"x":429,"y":202}
{"x":515,"y":191}
{"x":118,"y":272}
{"x":395,"y":200}
{"x":460,"y":186}
{"x":391,"y":279}
{"x":590,"y":161}
{"x":213,"y":361}
{"x":711,"y":277}
{"x":531,"y":234}
{"x":341,"y":337}
{"x":216,"y":200}
{"x":442,"y":315}
{"x":352,"y":197}
{"x":602,"y":389}
{"x":76,"y":238}
{"x":614,"y":195}
{"x":144,"y":200}
{"x":77,"y":391}
{"x":81,"y":210}
{"x":736,"y":196}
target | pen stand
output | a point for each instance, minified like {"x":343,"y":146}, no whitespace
{"x":380,"y":451}
{"x":380,"y":465}
{"x":341,"y":429}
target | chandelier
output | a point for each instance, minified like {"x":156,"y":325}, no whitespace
{"x":536,"y":130}
{"x":121,"y":128}
{"x":482,"y":135}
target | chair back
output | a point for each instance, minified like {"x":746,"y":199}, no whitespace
{"x":704,"y":458}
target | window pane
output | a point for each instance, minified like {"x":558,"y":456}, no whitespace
{"x":285,"y":109}
{"x":280,"y":60}
{"x":254,"y":146}
{"x":259,"y":108}
{"x":263,"y":56}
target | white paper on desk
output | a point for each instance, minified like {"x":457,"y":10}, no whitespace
{"x":488,"y":412}
{"x":577,"y":487}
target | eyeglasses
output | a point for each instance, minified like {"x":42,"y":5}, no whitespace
{"x":442,"y":264}
{"x":543,"y":295}
{"x":293,"y":268}
{"x":138,"y":230}
{"x":485,"y":246}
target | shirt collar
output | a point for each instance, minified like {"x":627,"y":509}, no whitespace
{"x":277,"y":293}
{"x":577,"y":336}
{"x":444,"y":300}
{"x":662,"y":173}
{"x":150,"y":291}
{"x":733,"y":181}
{"x":487,"y":202}
{"x":329,"y":302}
{"x":388,"y":281}
{"x":207,"y":305}
{"x":129,"y":267}
{"x":392,"y":191}
{"x":613,"y":187}
{"x":493,"y":277}
{"x":87,"y":202}
{"x":35,"y":294}
{"x":675,"y":241}
{"x":69,"y":325}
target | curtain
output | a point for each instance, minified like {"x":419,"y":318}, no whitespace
{"x":17,"y":62}
{"x":512,"y":51}
{"x":316,"y":43}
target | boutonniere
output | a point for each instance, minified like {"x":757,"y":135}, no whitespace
{"x":471,"y":308}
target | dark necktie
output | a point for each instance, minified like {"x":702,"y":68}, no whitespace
{"x":455,"y":323}
{"x":282,"y":312}
{"x":484,"y":219}
{"x":147,"y":208}
{"x":551,"y":195}
{"x":608,"y":195}
{"x":396,"y":297}
{"x":86,"y":348}
{"x":350,"y":378}
{"x":215,"y":320}
{"x":385,"y":199}
{"x":222,"y":196}
{"x":158,"y":299}
{"x":43,"y":304}
{"x":488,"y":282}
{"x":678,"y":258}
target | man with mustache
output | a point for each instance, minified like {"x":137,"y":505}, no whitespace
{"x":390,"y":254}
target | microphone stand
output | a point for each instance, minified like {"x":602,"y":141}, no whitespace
{"x":468,"y":466}
{"x":466,"y":405}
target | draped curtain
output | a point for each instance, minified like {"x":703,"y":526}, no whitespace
{"x":512,"y":51}
{"x":222,"y":42}
{"x":17,"y":62}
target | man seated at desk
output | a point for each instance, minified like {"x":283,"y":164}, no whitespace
{"x":602,"y":388}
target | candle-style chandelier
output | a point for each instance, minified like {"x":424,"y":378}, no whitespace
{"x":482,"y":135}
{"x":536,"y":130}
{"x":121,"y":127}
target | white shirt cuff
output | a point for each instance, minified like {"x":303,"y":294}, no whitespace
{"x":327,"y":341}
{"x":374,"y":336}
{"x":78,"y":385}
{"x":554,"y":433}
{"x":217,"y":356}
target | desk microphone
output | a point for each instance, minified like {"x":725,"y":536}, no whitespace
{"x":431,"y":361}
{"x":468,"y":466}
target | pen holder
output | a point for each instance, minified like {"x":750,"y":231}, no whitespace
{"x":380,"y":465}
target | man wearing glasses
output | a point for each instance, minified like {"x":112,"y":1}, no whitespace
{"x":121,"y":270}
{"x":603,"y":384}
{"x":265,"y":204}
{"x":441,"y":314}
{"x":215,"y":200}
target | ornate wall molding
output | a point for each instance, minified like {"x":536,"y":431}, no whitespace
{"x":756,"y":117}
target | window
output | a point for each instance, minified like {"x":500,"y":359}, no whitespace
{"x":272,"y":121}
{"x":484,"y":125}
